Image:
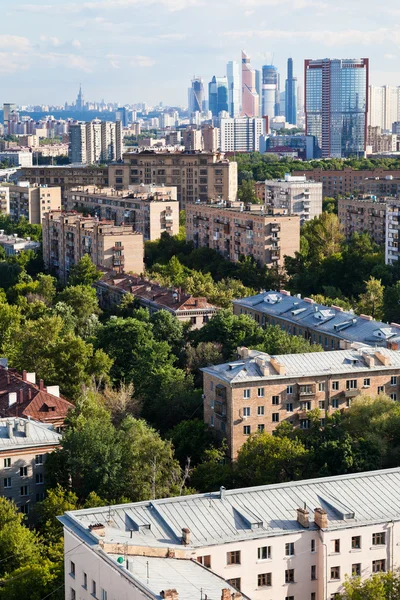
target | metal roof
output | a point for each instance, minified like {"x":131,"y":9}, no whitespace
{"x":248,"y":513}
{"x":36,"y":434}
{"x":329,"y":320}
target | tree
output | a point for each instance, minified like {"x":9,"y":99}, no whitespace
{"x":380,"y":586}
{"x":191,"y":439}
{"x":58,"y":501}
{"x":18,"y":544}
{"x":35,"y":581}
{"x":202,"y":355}
{"x":84,"y":272}
{"x":120,"y":402}
{"x":324,"y":235}
{"x":391,"y":303}
{"x":371,"y":301}
{"x":167,"y":328}
{"x":83,"y":300}
{"x":214,"y":471}
{"x":247,"y":192}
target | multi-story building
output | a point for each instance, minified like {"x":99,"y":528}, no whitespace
{"x":149,"y":209}
{"x":250,"y":97}
{"x":384,"y":106}
{"x":270,"y":92}
{"x":196,"y":95}
{"x":185,"y":307}
{"x":329,"y":326}
{"x":392,"y":250}
{"x":241,"y":134}
{"x":303,"y":146}
{"x":363,"y":214}
{"x":296,"y":195}
{"x":95,"y":142}
{"x":218,"y":95}
{"x":378,"y":141}
{"x":235,"y":230}
{"x":192,"y":139}
{"x":297,"y":540}
{"x":233,"y":75}
{"x":67,"y":237}
{"x":24,"y":445}
{"x":13,"y":245}
{"x":211,"y":138}
{"x":4,"y":200}
{"x":336,"y":105}
{"x":291,"y":95}
{"x":259,"y":391}
{"x":387,"y":186}
{"x":33,"y":201}
{"x":17,"y":158}
{"x":196,"y":175}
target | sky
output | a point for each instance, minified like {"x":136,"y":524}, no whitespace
{"x":131,"y":51}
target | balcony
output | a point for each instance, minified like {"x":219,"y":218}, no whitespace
{"x":306,"y":390}
{"x":117,"y":248}
{"x":352,"y":393}
{"x":118,"y":261}
{"x":220,"y":410}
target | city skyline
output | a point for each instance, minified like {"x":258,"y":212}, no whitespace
{"x":129,"y":51}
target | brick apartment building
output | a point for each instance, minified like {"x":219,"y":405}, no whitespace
{"x":67,"y":237}
{"x":258,"y":391}
{"x":32,"y":201}
{"x":235,"y":230}
{"x":150,"y":210}
{"x":364,"y":214}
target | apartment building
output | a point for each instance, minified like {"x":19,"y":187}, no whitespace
{"x":111,"y":289}
{"x":235,"y":230}
{"x":13,"y":245}
{"x":346,"y":180}
{"x":364,"y":213}
{"x":296,"y":540}
{"x":95,"y":142}
{"x":4,"y":200}
{"x":389,"y":185}
{"x":329,"y":326}
{"x":32,"y":202}
{"x":296,"y":195}
{"x":68,"y":236}
{"x":196,"y":175}
{"x":241,"y":134}
{"x":66,"y":177}
{"x":258,"y":391}
{"x":150,"y":210}
{"x":392,"y":251}
{"x":17,"y":157}
{"x":24,"y":445}
{"x":378,"y":142}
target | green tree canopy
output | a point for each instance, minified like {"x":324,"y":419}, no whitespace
{"x":84,"y":272}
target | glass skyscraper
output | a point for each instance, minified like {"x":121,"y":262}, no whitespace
{"x":196,"y":95}
{"x":291,"y":95}
{"x":270,"y":92}
{"x":233,"y":75}
{"x":336,"y":106}
{"x":218,"y":95}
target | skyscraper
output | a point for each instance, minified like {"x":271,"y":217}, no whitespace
{"x":7,"y":110}
{"x":384,"y":106}
{"x":218,"y":95}
{"x":270,"y":92}
{"x":336,"y":105}
{"x":250,"y":98}
{"x":291,"y":95}
{"x":232,"y":71}
{"x":196,"y":95}
{"x":80,"y":103}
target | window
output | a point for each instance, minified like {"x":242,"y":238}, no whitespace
{"x":321,"y":386}
{"x":393,"y":396}
{"x":379,"y":539}
{"x":233,"y":558}
{"x":335,"y":403}
{"x":275,"y":417}
{"x":84,"y":584}
{"x":246,"y":429}
{"x":336,"y":546}
{"x":393,"y":380}
{"x":289,"y":407}
{"x":260,"y":392}
{"x":246,"y":411}
{"x":261,"y":428}
{"x":289,"y":598}
{"x":335,"y":572}
{"x":313,"y":572}
{"x":356,"y":542}
{"x":234,"y":582}
{"x":313,"y":596}
{"x":367,"y":382}
{"x":246,"y":393}
{"x":25,"y":509}
{"x":289,"y":389}
{"x":23,"y":471}
{"x":72,"y":569}
{"x":289,"y":576}
{"x":335,"y":385}
{"x":289,"y":549}
{"x":381,"y":389}
{"x":73,"y":594}
{"x":211,"y":386}
{"x":275,"y":400}
{"x":39,"y":459}
{"x":379,"y":566}
{"x":312,"y":545}
{"x":40,"y":497}
{"x":39,"y":478}
{"x":7,"y":463}
{"x":321,"y":404}
{"x":24,"y":490}
{"x":94,"y":591}
{"x":205,"y":560}
{"x":260,"y":411}
{"x":264,"y":580}
{"x":7,"y":482}
{"x":103,"y":594}
{"x":356,"y":570}
{"x":351,"y":384}
{"x":222,"y":427}
{"x":212,"y":421}
{"x":264,"y":553}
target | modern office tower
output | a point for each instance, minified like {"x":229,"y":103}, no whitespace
{"x":80,"y":103}
{"x":122,"y":114}
{"x":270,"y":92}
{"x":336,"y":105}
{"x":291,"y":95}
{"x":7,"y":110}
{"x":233,"y":75}
{"x":196,"y":95}
{"x":384,"y":106}
{"x":258,"y":82}
{"x":218,"y":95}
{"x":95,"y":141}
{"x":250,"y":98}
{"x":241,"y":134}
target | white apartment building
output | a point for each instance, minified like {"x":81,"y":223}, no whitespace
{"x":384,"y":106}
{"x":296,"y":540}
{"x":392,"y":230}
{"x":95,"y":142}
{"x":21,"y":159}
{"x":295,"y":194}
{"x":241,"y":134}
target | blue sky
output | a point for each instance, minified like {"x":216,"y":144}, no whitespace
{"x":148,"y":50}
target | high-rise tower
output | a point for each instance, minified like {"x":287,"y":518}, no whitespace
{"x":196,"y":95}
{"x":336,"y":105}
{"x":79,"y":100}
{"x":250,"y":98}
{"x":291,"y":95}
{"x":232,"y":72}
{"x":270,"y":92}
{"x":218,"y":95}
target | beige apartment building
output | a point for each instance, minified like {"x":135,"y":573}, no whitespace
{"x":66,"y":177}
{"x":4,"y":200}
{"x":196,"y":175}
{"x":67,"y":237}
{"x":33,"y":201}
{"x":364,"y":214}
{"x":258,"y":391}
{"x":150,"y":210}
{"x":235,"y":230}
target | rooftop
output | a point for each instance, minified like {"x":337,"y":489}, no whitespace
{"x":249,"y":513}
{"x":151,"y":192}
{"x":331,"y":320}
{"x":26,"y":433}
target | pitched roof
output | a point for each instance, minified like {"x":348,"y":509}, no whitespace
{"x":26,"y":433}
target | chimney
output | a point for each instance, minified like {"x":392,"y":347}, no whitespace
{"x":321,"y":518}
{"x":243,"y":352}
{"x":226,"y":594}
{"x":10,"y":430}
{"x":41,"y":384}
{"x":98,"y":528}
{"x":27,"y":428}
{"x":54,"y":390}
{"x":222,"y":491}
{"x":21,"y":396}
{"x":24,"y":375}
{"x":279,"y":368}
{"x":385,"y":360}
{"x":302,"y":517}
{"x":169,"y":594}
{"x":185,"y":536}
{"x":31,"y":377}
{"x":12,"y":398}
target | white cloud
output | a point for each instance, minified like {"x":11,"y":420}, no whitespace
{"x":76,"y":43}
{"x":118,"y":60}
{"x":52,"y":41}
{"x":389,"y":56}
{"x":14,"y":41}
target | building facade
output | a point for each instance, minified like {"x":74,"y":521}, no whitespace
{"x":363,"y":214}
{"x":32,"y":202}
{"x":384,"y":106}
{"x":378,"y":141}
{"x":67,"y":237}
{"x":95,"y":142}
{"x":270,"y":92}
{"x":218,"y":95}
{"x":392,"y":251}
{"x":296,"y":195}
{"x":4,"y":200}
{"x":196,"y":95}
{"x":17,"y":158}
{"x":234,"y":231}
{"x":291,"y":95}
{"x":241,"y":134}
{"x":14,"y":245}
{"x":296,"y":540}
{"x":336,"y":105}
{"x":250,"y":97}
{"x":233,"y":75}
{"x":66,"y":177}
